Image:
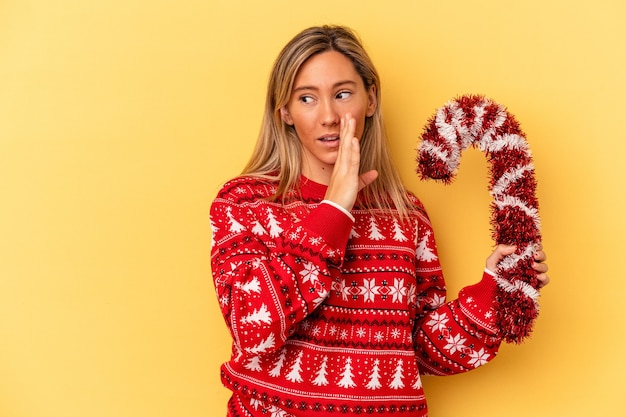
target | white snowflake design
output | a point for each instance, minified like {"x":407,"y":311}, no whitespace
{"x":455,"y":343}
{"x":438,"y":321}
{"x":398,"y":290}
{"x":309,"y":273}
{"x":370,"y":289}
{"x":479,"y":358}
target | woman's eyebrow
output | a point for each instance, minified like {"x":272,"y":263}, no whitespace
{"x":314,"y":88}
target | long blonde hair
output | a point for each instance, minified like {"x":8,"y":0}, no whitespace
{"x":277,"y":154}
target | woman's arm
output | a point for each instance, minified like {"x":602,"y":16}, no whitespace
{"x":268,"y":276}
{"x":461,"y":335}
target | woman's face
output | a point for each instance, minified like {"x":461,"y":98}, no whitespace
{"x":326,"y":88}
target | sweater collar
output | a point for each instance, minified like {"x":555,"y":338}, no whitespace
{"x":312,"y":189}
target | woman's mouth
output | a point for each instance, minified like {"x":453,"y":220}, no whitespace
{"x":329,"y":138}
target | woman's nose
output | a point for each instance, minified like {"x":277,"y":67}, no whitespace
{"x":329,"y":115}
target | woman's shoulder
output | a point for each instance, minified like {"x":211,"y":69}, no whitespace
{"x":246,"y":188}
{"x":416,"y":204}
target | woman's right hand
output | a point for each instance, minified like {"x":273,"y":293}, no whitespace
{"x":346,"y":182}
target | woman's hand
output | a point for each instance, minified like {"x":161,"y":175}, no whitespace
{"x":540,"y":256}
{"x":540,"y":266}
{"x":345,"y":181}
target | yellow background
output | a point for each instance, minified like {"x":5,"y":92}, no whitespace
{"x":120,"y":119}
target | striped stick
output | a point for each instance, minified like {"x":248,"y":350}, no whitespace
{"x":480,"y":122}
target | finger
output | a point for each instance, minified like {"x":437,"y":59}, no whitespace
{"x":500,"y":252}
{"x":543,"y":280}
{"x":367,"y":178}
{"x":540,"y":267}
{"x":504,"y":250}
{"x":348,"y":127}
{"x":540,"y":256}
{"x":346,"y":141}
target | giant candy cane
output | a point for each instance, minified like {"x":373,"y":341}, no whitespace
{"x":478,"y":121}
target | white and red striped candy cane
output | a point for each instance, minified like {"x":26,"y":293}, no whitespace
{"x":478,"y":121}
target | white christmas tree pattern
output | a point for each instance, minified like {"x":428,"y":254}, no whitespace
{"x":322,"y":373}
{"x":398,"y":375}
{"x":214,"y":230}
{"x":262,"y":315}
{"x":424,"y":252}
{"x":398,"y":233}
{"x":250,"y":286}
{"x":258,"y":229}
{"x":264,"y":345}
{"x":374,"y":231}
{"x":374,"y":378}
{"x":418,"y":382}
{"x":347,"y":375}
{"x":354,"y":233}
{"x":253,"y":364}
{"x":294,"y":374}
{"x":275,"y":229}
{"x":235,"y":226}
{"x":278,"y":365}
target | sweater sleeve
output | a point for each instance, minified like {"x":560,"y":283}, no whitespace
{"x":270,"y":271}
{"x":459,"y":335}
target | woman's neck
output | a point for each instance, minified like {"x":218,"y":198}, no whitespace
{"x":318,"y":173}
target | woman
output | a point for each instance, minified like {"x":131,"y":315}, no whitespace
{"x":325,"y":267}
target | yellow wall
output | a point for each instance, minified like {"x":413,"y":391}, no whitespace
{"x":119,"y":120}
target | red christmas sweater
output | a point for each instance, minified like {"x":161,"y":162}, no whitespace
{"x":332,"y":313}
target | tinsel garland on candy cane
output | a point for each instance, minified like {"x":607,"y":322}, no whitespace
{"x":479,"y":121}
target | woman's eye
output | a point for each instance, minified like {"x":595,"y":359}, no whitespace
{"x":306,"y":99}
{"x":343,"y":95}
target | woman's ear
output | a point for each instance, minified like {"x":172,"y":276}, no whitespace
{"x":372,"y":101}
{"x":284,"y":114}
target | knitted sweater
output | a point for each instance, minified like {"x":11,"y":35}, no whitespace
{"x":331,"y":312}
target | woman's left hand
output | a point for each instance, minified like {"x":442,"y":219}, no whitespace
{"x":539,"y":265}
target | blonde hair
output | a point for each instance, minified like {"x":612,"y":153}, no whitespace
{"x":277,"y":154}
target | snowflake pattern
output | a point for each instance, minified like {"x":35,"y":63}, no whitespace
{"x":398,"y":290}
{"x":371,"y":290}
{"x":479,"y":358}
{"x":438,"y":321}
{"x":455,"y":343}
{"x":309,"y":273}
{"x":372,"y":274}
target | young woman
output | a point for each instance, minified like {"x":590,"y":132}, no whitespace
{"x":326,"y":268}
